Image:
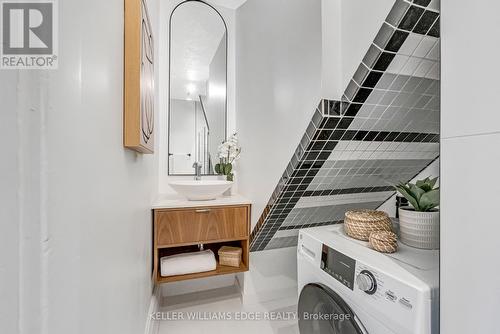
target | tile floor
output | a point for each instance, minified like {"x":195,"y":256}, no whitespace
{"x":227,"y":302}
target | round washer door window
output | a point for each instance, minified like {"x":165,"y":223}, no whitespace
{"x":322,"y":311}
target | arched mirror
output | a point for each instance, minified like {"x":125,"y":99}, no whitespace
{"x":198,"y":75}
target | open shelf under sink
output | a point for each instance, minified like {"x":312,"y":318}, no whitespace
{"x":181,"y":230}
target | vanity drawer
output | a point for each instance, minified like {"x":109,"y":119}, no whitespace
{"x":199,"y":225}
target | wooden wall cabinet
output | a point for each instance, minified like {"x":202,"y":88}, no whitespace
{"x":181,"y":230}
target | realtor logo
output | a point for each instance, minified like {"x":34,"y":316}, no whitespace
{"x":29,"y":34}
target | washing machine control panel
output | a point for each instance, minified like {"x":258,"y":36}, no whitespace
{"x":366,"y":282}
{"x":382,"y":290}
{"x":339,"y":266}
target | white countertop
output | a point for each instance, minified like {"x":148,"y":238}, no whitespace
{"x":172,"y":201}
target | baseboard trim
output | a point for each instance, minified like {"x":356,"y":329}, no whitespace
{"x":153,"y":326}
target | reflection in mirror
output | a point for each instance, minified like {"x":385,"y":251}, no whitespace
{"x":197,"y":112}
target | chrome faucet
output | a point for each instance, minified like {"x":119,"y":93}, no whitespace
{"x":197,"y":168}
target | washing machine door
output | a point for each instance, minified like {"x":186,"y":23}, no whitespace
{"x":322,"y":311}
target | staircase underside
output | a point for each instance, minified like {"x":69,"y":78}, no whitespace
{"x":385,"y":130}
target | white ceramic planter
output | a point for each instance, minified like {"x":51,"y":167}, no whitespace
{"x":419,"y":229}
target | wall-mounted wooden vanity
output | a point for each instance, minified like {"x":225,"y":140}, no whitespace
{"x":179,"y":226}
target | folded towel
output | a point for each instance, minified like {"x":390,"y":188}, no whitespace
{"x":188,"y":263}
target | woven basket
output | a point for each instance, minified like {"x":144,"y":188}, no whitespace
{"x":360,"y":223}
{"x":384,"y":241}
{"x":229,"y":256}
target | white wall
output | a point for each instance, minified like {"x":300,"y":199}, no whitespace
{"x":360,"y":23}
{"x":98,"y":194}
{"x":9,"y":209}
{"x":348,"y":29}
{"x":278,"y":87}
{"x":83,"y":218}
{"x":23,"y":221}
{"x":331,"y":24}
{"x":470,"y":161}
{"x":166,"y":7}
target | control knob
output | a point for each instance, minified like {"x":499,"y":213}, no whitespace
{"x":366,"y":282}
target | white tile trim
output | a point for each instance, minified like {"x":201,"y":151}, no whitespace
{"x":384,"y":151}
{"x":286,"y":233}
{"x":310,"y":202}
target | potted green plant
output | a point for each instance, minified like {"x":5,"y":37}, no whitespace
{"x":229,"y":152}
{"x":419,"y":223}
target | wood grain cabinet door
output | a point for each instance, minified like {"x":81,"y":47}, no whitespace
{"x":180,"y":227}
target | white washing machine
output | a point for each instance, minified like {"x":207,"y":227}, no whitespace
{"x":347,"y":288}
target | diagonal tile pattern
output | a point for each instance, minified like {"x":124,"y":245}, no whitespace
{"x":385,"y":129}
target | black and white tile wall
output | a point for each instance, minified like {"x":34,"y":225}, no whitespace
{"x":384,"y":130}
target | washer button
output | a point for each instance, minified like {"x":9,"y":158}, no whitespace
{"x":406,"y":303}
{"x":391,"y":296}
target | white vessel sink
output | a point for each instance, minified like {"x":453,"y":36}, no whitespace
{"x":202,"y":190}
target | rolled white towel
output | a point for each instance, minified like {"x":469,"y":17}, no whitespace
{"x":188,"y":263}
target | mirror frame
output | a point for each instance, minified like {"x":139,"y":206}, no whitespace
{"x":170,"y":80}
